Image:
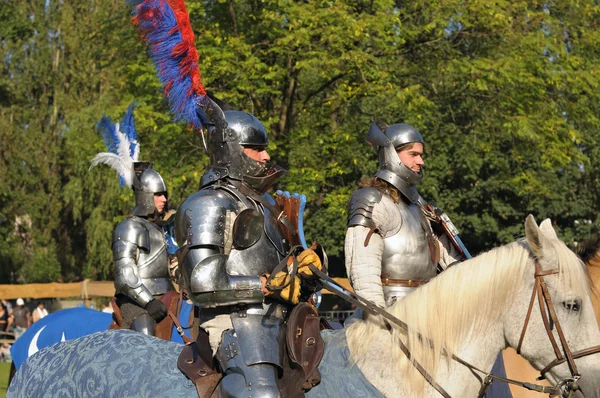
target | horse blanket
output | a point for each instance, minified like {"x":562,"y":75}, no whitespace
{"x":123,"y":363}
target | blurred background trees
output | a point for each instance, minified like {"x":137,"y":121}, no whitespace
{"x":505,"y":94}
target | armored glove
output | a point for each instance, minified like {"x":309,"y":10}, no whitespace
{"x":291,"y":292}
{"x":157,"y":310}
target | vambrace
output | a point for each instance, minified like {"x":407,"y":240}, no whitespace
{"x":210,"y":285}
{"x":127,"y":279}
{"x":363,"y":264}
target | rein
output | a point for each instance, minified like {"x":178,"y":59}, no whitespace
{"x":540,"y":290}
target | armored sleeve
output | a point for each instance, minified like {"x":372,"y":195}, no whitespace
{"x":128,"y":238}
{"x":203,"y":229}
{"x":371,"y":217}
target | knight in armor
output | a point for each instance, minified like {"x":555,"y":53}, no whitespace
{"x":391,"y":247}
{"x":141,"y":257}
{"x":231,"y":237}
{"x":238,"y":256}
{"x":141,"y":265}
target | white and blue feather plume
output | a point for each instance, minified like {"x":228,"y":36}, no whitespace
{"x":121,"y":143}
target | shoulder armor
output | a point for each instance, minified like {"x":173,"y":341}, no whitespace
{"x":133,"y":231}
{"x":200,"y":219}
{"x":360,"y":207}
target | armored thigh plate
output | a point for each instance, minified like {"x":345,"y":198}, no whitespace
{"x":144,"y":324}
{"x":261,"y":333}
{"x":241,"y":380}
{"x":251,"y":355}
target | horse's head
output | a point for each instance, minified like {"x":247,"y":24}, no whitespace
{"x":562,"y":325}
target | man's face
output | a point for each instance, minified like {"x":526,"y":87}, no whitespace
{"x":160,"y":201}
{"x":411,"y":156}
{"x":258,"y":153}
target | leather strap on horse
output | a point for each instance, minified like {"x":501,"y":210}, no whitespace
{"x":548,"y":313}
{"x":576,"y":354}
{"x":176,"y":320}
{"x":197,"y":364}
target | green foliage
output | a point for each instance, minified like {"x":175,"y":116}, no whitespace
{"x":505,"y":93}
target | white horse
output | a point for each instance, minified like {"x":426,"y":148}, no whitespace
{"x":472,"y":310}
{"x":476,"y":309}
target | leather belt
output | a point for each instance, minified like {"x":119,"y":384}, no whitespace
{"x":385,"y":281}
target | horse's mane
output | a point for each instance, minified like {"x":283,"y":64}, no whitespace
{"x":460,"y":304}
{"x":588,"y":249}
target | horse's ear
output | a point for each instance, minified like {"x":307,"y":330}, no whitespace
{"x":547,"y":229}
{"x":535,"y":238}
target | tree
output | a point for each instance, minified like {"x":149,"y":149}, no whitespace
{"x":505,"y":94}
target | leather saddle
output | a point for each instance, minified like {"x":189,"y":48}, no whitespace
{"x":164,"y":327}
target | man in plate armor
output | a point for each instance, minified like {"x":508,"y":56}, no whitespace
{"x":141,"y":257}
{"x":232,"y":237}
{"x":390,"y":246}
{"x":139,"y":247}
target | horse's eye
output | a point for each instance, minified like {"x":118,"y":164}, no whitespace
{"x":572,"y":305}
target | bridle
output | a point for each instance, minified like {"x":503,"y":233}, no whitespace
{"x":540,"y":290}
{"x":564,"y":387}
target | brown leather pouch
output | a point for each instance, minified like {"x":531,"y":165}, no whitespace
{"x":304,"y":342}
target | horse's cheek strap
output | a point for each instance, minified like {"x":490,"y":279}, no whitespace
{"x":561,"y":335}
{"x":531,"y":301}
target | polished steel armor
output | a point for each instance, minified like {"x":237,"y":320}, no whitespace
{"x":223,"y":278}
{"x":147,"y":183}
{"x":391,"y":169}
{"x":215,"y":271}
{"x":144,"y":324}
{"x":405,"y":254}
{"x":234,"y":131}
{"x":229,"y":234}
{"x":360,"y":207}
{"x":141,"y":260}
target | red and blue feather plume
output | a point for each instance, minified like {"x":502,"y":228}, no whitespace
{"x":165,"y":26}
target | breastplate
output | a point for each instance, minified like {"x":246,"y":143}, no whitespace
{"x":153,"y":264}
{"x":406,"y":253}
{"x":264,"y":255}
